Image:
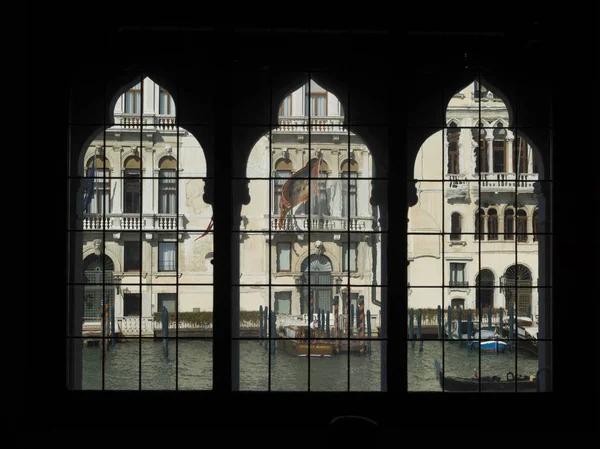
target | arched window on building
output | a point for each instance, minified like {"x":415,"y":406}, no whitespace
{"x":285,"y":110}
{"x":99,"y":288}
{"x":166,"y":104}
{"x":492,"y":224}
{"x":484,"y":292}
{"x":521,"y":226}
{"x":517,"y":289}
{"x":479,"y":225}
{"x":535,"y":225}
{"x":520,"y":160}
{"x":97,"y":200}
{"x":283,"y":170}
{"x":455,"y":226}
{"x":167,"y":186}
{"x":481,"y":162}
{"x":509,"y":224}
{"x":316,"y":272}
{"x":349,"y":205}
{"x":453,"y":136}
{"x":316,"y":100}
{"x":132,"y":185}
{"x":133,"y":100}
{"x":499,"y":157}
{"x":319,"y":204}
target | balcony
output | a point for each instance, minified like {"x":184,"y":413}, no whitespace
{"x":325,"y":124}
{"x":301,"y":223}
{"x":457,"y":187}
{"x":506,"y":182}
{"x":132,"y":222}
{"x":150,"y":123}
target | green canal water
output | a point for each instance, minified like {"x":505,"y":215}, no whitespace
{"x":131,"y":366}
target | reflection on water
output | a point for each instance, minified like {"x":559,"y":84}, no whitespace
{"x":288,"y":373}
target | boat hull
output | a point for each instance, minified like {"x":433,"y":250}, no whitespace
{"x":301,"y":348}
{"x":490,"y":347}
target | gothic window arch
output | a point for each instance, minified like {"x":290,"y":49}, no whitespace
{"x":167,"y":185}
{"x":456,"y":226}
{"x":98,"y":193}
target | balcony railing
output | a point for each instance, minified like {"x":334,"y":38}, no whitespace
{"x":458,"y":284}
{"x":318,"y":124}
{"x":133,"y":222}
{"x":301,"y":223}
{"x":508,"y":181}
{"x":151,"y":123}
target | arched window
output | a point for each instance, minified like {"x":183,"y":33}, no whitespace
{"x":455,"y":226}
{"x":132,"y":185}
{"x":499,"y":157}
{"x":509,"y":224}
{"x":520,"y":159}
{"x":99,"y":289}
{"x":319,"y":204}
{"x":283,"y":170}
{"x":521,"y":226}
{"x":133,"y":100}
{"x":484,"y":293}
{"x":349,"y":170}
{"x":285,"y":110}
{"x":97,"y":195}
{"x":316,"y":100}
{"x":517,"y":289}
{"x":316,"y":271}
{"x":453,"y":136}
{"x":167,"y":186}
{"x":481,"y":161}
{"x":166,"y":103}
{"x":492,"y":224}
{"x":479,"y":225}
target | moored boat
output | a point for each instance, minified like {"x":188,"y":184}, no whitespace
{"x":295,"y":340}
{"x":509,"y":384}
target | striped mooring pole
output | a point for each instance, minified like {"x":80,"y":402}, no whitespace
{"x":336,"y":321}
{"x":369,"y":330}
{"x":361,"y":323}
{"x":260,"y":324}
{"x":273,"y":331}
{"x":266,"y":329}
{"x":459,"y":327}
{"x":351,"y":318}
{"x":419,"y":318}
{"x":105,"y":323}
{"x":165,"y":331}
{"x":347,"y":315}
{"x":511,"y":325}
{"x":449,"y":322}
{"x":490,"y":317}
{"x":112,"y":325}
{"x":439,"y":320}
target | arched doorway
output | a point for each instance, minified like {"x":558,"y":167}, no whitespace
{"x":517,"y":287}
{"x":484,"y":294}
{"x":316,"y":271}
{"x":100,"y":286}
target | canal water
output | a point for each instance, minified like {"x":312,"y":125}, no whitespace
{"x":190,"y":362}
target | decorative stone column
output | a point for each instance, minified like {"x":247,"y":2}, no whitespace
{"x":510,"y":138}
{"x":529,"y":159}
{"x":489,"y":138}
